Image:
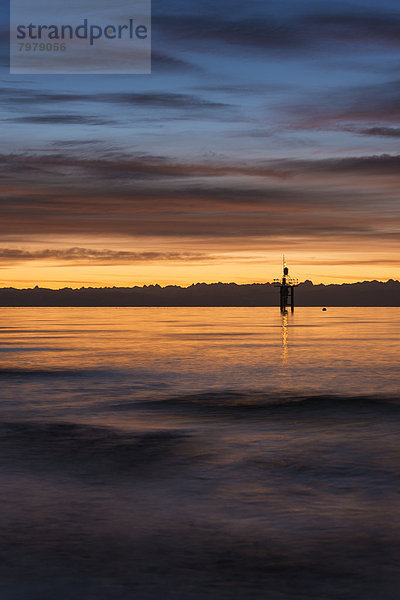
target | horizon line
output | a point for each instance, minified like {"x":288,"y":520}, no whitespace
{"x":157,"y":285}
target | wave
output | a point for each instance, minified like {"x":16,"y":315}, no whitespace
{"x":84,"y":449}
{"x":234,"y":401}
{"x":23,"y":372}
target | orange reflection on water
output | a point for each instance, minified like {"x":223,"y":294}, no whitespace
{"x":104,"y":354}
{"x":284,"y":338}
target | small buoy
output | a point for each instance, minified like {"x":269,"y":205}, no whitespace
{"x":324,"y":310}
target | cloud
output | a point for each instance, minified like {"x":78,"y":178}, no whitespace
{"x":118,"y":195}
{"x":162,"y":62}
{"x":375,"y":131}
{"x":293,"y":29}
{"x":157,"y":100}
{"x":368,"y":166}
{"x":206,"y":176}
{"x":340,"y":262}
{"x":61,"y":119}
{"x":89,"y":256}
{"x":383,"y":26}
{"x":75,"y":143}
{"x":376,"y":104}
{"x":264,"y":32}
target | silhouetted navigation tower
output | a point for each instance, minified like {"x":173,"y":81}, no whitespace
{"x":286,"y":287}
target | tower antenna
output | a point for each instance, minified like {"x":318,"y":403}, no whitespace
{"x":286,"y":288}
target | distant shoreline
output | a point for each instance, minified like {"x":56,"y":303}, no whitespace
{"x":195,"y":306}
{"x":366,"y":293}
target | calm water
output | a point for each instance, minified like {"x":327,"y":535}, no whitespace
{"x":192,"y":453}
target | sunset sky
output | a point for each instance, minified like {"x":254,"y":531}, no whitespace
{"x":265,"y":128}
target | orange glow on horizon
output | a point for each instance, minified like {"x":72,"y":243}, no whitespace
{"x":55,"y":277}
{"x":122,"y":262}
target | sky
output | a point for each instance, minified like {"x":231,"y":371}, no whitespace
{"x":265,"y":128}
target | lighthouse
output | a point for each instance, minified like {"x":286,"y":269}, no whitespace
{"x":286,"y":288}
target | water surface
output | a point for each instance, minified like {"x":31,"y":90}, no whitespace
{"x":187,"y":453}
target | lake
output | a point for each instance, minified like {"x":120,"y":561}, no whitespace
{"x":190,"y":453}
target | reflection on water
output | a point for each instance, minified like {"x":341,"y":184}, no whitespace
{"x":284,"y":337}
{"x":92,"y":355}
{"x":199,"y":454}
